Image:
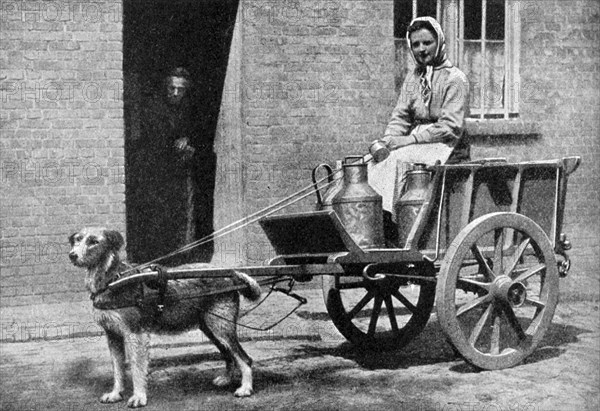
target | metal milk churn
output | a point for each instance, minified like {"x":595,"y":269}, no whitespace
{"x":358,"y":206}
{"x":411,"y":199}
{"x":335,"y":181}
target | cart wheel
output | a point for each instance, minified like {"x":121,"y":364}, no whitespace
{"x":378,"y":314}
{"x":497,"y":290}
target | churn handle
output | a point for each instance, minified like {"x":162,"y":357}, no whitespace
{"x":314,"y":179}
{"x":355,"y":157}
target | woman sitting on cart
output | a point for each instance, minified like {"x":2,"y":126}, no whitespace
{"x":428,"y":122}
{"x":434,"y":99}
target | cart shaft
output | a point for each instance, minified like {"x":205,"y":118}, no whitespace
{"x":219,"y":272}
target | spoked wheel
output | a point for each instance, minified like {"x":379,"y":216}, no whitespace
{"x":497,"y":290}
{"x":378,"y":314}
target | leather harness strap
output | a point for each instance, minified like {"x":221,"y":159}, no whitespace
{"x":162,"y":281}
{"x":149,"y":295}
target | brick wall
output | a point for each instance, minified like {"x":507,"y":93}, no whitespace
{"x":315,"y":82}
{"x":62,"y":140}
{"x":318,"y":84}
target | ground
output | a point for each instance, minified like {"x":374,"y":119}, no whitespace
{"x":305,"y":364}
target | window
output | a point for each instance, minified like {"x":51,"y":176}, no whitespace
{"x":482,"y":38}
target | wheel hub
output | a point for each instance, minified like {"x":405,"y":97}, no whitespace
{"x":507,"y":290}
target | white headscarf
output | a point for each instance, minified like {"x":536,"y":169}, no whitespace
{"x":439,"y":60}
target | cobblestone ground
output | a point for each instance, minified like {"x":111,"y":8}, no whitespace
{"x":304,"y":364}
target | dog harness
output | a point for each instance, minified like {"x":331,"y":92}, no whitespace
{"x":149,"y":295}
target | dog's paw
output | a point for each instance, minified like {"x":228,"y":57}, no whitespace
{"x":222,"y":381}
{"x":111,"y":397}
{"x":137,"y":401}
{"x":243,"y":391}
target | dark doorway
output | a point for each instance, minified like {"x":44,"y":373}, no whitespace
{"x":159,"y":36}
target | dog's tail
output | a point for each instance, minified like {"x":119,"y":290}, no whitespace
{"x":252,"y":291}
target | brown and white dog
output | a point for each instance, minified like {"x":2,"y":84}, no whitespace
{"x":128,"y":328}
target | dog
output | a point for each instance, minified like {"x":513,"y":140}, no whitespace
{"x":128,"y":328}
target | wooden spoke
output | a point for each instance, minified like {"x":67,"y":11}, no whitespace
{"x":498,"y":246}
{"x":535,"y":302}
{"x":477,"y":302}
{"x":518,"y":255}
{"x":375,"y":315}
{"x":513,"y":321}
{"x":479,"y":326}
{"x":361,"y":304}
{"x":391,"y":314}
{"x":404,"y":301}
{"x":517,"y":271}
{"x":531,"y":272}
{"x":478,"y":284}
{"x":483,"y":265}
{"x":495,"y":340}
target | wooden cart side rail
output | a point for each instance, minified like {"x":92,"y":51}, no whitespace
{"x":562,"y":169}
{"x":220,"y":272}
{"x":519,"y":177}
{"x":569,"y":165}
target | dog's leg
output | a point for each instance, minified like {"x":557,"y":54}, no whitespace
{"x":224,"y":378}
{"x":244,"y":363}
{"x":220,"y":327}
{"x":139,"y":359}
{"x":117,"y":353}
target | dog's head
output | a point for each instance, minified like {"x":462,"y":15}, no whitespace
{"x":91,"y":247}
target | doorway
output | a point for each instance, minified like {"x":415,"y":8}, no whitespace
{"x":159,"y":36}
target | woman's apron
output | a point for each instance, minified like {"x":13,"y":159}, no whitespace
{"x":382,"y":175}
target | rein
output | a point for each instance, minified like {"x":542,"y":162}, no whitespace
{"x":245,"y":221}
{"x":158,"y":297}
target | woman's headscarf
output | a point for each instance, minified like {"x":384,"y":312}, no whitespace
{"x":440,"y":59}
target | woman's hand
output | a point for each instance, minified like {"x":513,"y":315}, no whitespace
{"x":401,"y":141}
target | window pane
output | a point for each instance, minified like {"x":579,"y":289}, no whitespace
{"x":402,"y":17}
{"x":493,"y":67}
{"x":472,"y":15}
{"x":426,"y":8}
{"x":472,"y":68}
{"x":494,"y":21}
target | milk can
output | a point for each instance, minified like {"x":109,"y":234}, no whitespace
{"x":335,"y":182}
{"x":411,"y":199}
{"x":358,"y":206}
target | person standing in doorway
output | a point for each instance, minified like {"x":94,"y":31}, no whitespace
{"x":171,"y":153}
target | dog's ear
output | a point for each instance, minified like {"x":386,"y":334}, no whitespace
{"x":72,"y":239}
{"x":115,"y":239}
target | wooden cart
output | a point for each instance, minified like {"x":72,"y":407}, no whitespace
{"x":487,"y":241}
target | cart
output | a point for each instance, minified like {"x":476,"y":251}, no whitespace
{"x":487,"y":241}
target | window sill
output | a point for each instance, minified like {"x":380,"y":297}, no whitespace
{"x":501,"y":127}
